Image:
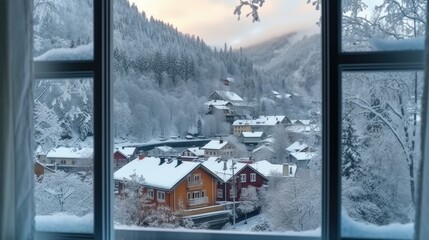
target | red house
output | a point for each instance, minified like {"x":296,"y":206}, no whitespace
{"x":245,"y":175}
{"x":123,"y":155}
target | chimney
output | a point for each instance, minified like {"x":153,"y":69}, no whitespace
{"x":161,"y":161}
{"x":141,"y":155}
{"x":221,"y":140}
{"x":178,"y":162}
{"x":285,"y":169}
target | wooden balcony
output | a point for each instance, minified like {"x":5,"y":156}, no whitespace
{"x":195,"y":184}
{"x":198,"y":201}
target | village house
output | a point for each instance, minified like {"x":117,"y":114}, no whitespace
{"x":191,"y":154}
{"x":297,"y":146}
{"x":251,"y":137}
{"x":218,"y":148}
{"x":181,"y":185}
{"x":302,"y":159}
{"x":275,"y":170}
{"x":232,"y":97}
{"x":162,"y":151}
{"x":123,"y":155}
{"x":70,"y":159}
{"x":244,"y":174}
{"x":261,"y":124}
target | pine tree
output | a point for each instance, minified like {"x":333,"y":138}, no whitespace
{"x":352,"y":162}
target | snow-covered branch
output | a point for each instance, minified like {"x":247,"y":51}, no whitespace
{"x":254,"y":5}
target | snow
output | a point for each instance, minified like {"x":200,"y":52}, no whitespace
{"x":64,"y":152}
{"x":302,"y":156}
{"x":215,"y":144}
{"x":61,"y":222}
{"x":268,"y":169}
{"x":301,"y":121}
{"x":216,"y":166}
{"x":352,"y":228}
{"x":164,"y":176}
{"x":252,"y":134}
{"x":297,"y":147}
{"x":395,"y":44}
{"x":83,"y":52}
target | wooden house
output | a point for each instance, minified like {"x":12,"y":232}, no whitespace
{"x":181,"y":185}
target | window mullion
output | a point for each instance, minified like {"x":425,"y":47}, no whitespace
{"x":103,"y":169}
{"x":331,"y":120}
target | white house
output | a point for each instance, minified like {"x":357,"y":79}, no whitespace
{"x":70,"y":159}
{"x":218,"y":148}
{"x":251,"y":137}
{"x":192,"y":153}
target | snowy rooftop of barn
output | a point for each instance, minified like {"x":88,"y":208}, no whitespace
{"x":297,"y":146}
{"x":217,"y":167}
{"x":269,"y":169}
{"x":252,"y":134}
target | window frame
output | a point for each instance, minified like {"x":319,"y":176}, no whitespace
{"x":252,"y":177}
{"x":334,"y":62}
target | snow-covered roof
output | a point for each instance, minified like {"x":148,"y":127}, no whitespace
{"x":269,"y":169}
{"x":217,"y":167}
{"x":196,"y":151}
{"x":260,"y":121}
{"x":252,"y":134}
{"x":164,"y":176}
{"x":229,"y":96}
{"x":301,"y":156}
{"x":65,"y":152}
{"x":263,"y":147}
{"x":221,"y":107}
{"x":127,"y":151}
{"x":217,"y":103}
{"x":297,"y":146}
{"x":215,"y":144}
{"x":300,"y":121}
{"x":164,"y":148}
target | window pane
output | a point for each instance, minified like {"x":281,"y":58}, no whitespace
{"x":221,"y":117}
{"x":63,"y":131}
{"x":63,"y":30}
{"x":376,"y":25}
{"x":381,"y":153}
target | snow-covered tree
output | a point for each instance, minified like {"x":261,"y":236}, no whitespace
{"x":352,"y":162}
{"x":71,"y":193}
{"x":249,"y":201}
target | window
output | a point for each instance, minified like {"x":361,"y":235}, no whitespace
{"x":150,"y":193}
{"x":160,"y":196}
{"x":219,"y":193}
{"x":243,"y":177}
{"x":339,"y":68}
{"x":253,"y":177}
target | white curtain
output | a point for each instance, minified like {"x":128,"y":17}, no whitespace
{"x":16,"y":104}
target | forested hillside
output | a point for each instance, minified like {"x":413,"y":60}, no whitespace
{"x":162,"y":76}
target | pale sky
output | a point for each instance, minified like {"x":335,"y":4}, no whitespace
{"x":213,"y":20}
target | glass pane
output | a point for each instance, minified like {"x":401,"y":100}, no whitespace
{"x":376,"y":25}
{"x":381,"y":153}
{"x":211,"y":113}
{"x":63,"y":30}
{"x":63,"y":134}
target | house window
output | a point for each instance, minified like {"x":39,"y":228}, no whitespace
{"x":253,"y":177}
{"x":150,"y":193}
{"x":219,"y":193}
{"x":243,"y":177}
{"x":160,"y":196}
